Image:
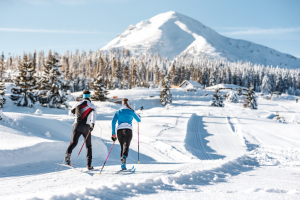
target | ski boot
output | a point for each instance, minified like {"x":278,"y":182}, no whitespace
{"x":68,"y":158}
{"x":90,"y":167}
{"x":123,"y":163}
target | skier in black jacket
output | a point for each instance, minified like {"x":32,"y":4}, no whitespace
{"x":86,"y":114}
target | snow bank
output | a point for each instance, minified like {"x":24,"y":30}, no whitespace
{"x":179,"y":181}
{"x":234,"y":87}
{"x":26,"y":138}
{"x":284,"y":97}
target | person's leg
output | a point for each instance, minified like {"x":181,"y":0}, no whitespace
{"x":75,"y":136}
{"x":126,"y":143}
{"x":88,"y":143}
{"x":121,"y":140}
{"x":73,"y":143}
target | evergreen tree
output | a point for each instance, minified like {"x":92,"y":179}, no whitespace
{"x":182,"y":75}
{"x":99,"y":89}
{"x":1,"y":65}
{"x":266,"y":87}
{"x":205,"y":77}
{"x":118,"y":73}
{"x":174,"y":75}
{"x":52,"y":85}
{"x":2,"y":93}
{"x":250,"y":101}
{"x":165,"y":94}
{"x":200,"y":77}
{"x":24,"y":84}
{"x":214,"y":77}
{"x":156,"y":75}
{"x":232,"y":97}
{"x":217,"y":99}
{"x":240,"y":92}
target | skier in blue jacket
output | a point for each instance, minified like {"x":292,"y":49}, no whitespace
{"x":124,"y":116}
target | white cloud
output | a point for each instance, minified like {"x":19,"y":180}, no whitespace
{"x":26,"y":30}
{"x":257,"y":31}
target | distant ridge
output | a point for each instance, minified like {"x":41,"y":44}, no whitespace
{"x":172,"y":34}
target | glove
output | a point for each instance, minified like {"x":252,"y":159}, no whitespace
{"x":113,"y":138}
{"x":73,"y":111}
{"x":91,"y":127}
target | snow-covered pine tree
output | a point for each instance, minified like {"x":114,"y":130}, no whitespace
{"x":232,"y":97}
{"x":266,"y":87}
{"x":99,"y":89}
{"x":52,"y":84}
{"x":250,"y":101}
{"x":212,"y":78}
{"x":218,"y":99}
{"x":1,"y":65}
{"x":2,"y":93}
{"x":24,"y":84}
{"x":165,"y":94}
{"x":174,"y":75}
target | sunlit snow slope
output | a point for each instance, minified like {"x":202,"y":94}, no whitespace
{"x":171,"y":34}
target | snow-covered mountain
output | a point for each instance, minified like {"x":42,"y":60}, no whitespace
{"x":171,"y":34}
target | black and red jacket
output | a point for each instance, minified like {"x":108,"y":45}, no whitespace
{"x":85,"y":112}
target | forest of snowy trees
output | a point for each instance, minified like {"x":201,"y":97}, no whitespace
{"x":121,"y":70}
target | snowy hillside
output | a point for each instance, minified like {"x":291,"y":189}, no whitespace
{"x":171,"y":34}
{"x":189,"y":151}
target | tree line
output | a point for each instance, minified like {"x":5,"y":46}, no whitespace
{"x":119,"y":69}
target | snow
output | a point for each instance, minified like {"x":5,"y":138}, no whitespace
{"x":172,"y":34}
{"x":234,"y":87}
{"x":190,"y":85}
{"x":188,"y":151}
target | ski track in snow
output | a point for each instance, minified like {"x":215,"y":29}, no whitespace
{"x":216,"y":153}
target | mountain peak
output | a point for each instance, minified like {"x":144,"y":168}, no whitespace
{"x":172,"y":34}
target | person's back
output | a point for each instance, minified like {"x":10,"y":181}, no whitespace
{"x":85,"y":118}
{"x":124,"y":116}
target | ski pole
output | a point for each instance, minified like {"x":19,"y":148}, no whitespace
{"x":106,"y":158}
{"x":138,"y":143}
{"x":82,"y":146}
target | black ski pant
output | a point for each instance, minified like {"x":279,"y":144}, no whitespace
{"x":124,"y":137}
{"x":81,"y":129}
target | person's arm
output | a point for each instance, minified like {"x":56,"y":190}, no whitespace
{"x":72,"y":111}
{"x":137,"y":117}
{"x":113,"y":124}
{"x":93,"y":115}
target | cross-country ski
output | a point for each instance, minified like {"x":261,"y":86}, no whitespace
{"x":75,"y":168}
{"x":126,"y":170}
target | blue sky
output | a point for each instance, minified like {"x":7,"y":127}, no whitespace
{"x":62,"y":25}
